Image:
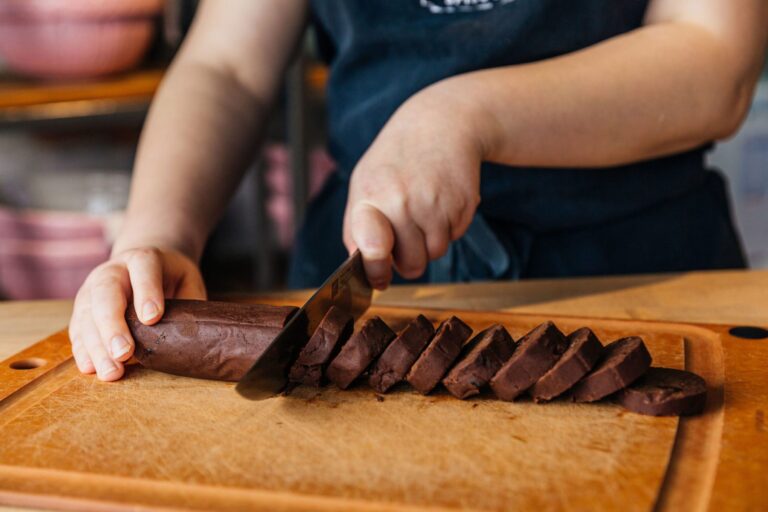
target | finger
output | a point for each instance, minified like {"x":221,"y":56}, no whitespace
{"x":145,"y":271}
{"x":437,"y":240}
{"x":461,"y":219}
{"x":437,"y":232}
{"x":410,"y":249}
{"x":83,"y":362}
{"x":106,"y":368}
{"x":371,"y":232}
{"x":108,"y":302}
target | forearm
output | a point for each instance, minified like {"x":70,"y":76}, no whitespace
{"x":204,"y":124}
{"x":658,"y":90}
{"x":199,"y":135}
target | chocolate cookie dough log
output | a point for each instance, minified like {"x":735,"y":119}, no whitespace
{"x":584,"y":350}
{"x":623,"y":362}
{"x":359,"y":351}
{"x":439,"y":355}
{"x":207,"y":339}
{"x":334,"y":329}
{"x":536,"y":353}
{"x":485,"y":354}
{"x":399,"y":356}
{"x":665,"y":392}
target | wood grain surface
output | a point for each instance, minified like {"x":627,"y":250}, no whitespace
{"x":740,"y":479}
{"x":185,"y":443}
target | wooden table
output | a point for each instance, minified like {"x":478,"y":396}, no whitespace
{"x":727,"y":297}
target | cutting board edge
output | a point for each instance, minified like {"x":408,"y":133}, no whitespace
{"x":208,"y":497}
{"x":52,"y":351}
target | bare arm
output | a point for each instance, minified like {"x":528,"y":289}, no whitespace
{"x":202,"y":127}
{"x":683,"y":79}
{"x":205,"y":120}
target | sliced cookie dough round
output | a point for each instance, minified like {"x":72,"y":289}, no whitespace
{"x":332,"y":332}
{"x":536,"y":353}
{"x":439,"y":355}
{"x":393,"y":364}
{"x":665,"y":392}
{"x":624,"y":361}
{"x":583,"y":352}
{"x":359,"y":352}
{"x":483,"y":357}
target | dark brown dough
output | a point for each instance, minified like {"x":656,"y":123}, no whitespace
{"x":359,"y":352}
{"x":536,"y":353}
{"x":207,"y":339}
{"x":485,"y":354}
{"x":400,"y":355}
{"x":334,"y":329}
{"x":439,"y":355}
{"x":623,"y":362}
{"x":665,"y":392}
{"x":584,"y":350}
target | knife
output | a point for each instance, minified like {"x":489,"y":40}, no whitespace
{"x":347,"y":288}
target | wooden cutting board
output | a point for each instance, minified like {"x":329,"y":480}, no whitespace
{"x":154,"y":441}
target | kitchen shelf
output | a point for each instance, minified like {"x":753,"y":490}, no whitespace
{"x":122,"y":98}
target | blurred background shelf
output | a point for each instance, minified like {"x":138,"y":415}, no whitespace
{"x":67,"y":149}
{"x":18,"y":92}
{"x":122,"y":99}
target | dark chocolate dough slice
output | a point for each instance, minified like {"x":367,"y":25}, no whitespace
{"x":583,"y":352}
{"x":206,"y":339}
{"x":399,"y":356}
{"x":665,"y":392}
{"x":359,"y":351}
{"x":441,"y":352}
{"x":623,"y":362}
{"x":536,"y":353}
{"x":485,"y":354}
{"x":334,"y":329}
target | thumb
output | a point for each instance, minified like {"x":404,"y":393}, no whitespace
{"x":371,"y":232}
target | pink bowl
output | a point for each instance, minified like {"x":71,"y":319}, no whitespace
{"x":48,"y":254}
{"x":75,"y":38}
{"x":47,"y":269}
{"x":47,"y":225}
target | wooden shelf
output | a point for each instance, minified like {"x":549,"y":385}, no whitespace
{"x":17,"y":93}
{"x":26,"y":103}
{"x":29,"y":103}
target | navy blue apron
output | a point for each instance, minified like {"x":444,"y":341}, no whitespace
{"x":667,"y":214}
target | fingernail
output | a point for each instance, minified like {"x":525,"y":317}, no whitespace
{"x":149,"y":311}
{"x":119,"y":346}
{"x":106,"y":368}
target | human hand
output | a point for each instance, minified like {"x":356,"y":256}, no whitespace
{"x":140,"y":278}
{"x":416,"y":188}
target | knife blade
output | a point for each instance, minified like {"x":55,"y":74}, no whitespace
{"x":346,"y":288}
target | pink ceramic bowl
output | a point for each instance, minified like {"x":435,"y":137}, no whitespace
{"x":47,"y":269}
{"x":48,"y":254}
{"x":75,"y":38}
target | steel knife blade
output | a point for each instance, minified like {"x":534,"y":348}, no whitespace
{"x":346,"y":288}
